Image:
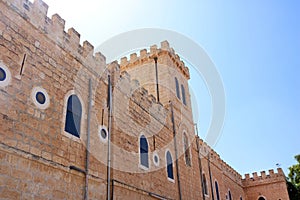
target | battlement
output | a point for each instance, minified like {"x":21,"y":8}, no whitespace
{"x":36,"y":14}
{"x":214,"y":157}
{"x":264,"y":178}
{"x":140,"y":95}
{"x":148,"y":56}
{"x":263,"y":175}
{"x":44,"y":65}
{"x":207,"y":152}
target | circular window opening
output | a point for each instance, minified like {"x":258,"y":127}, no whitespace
{"x":155,"y":159}
{"x":40,"y":97}
{"x":5,"y":75}
{"x":103,"y":133}
{"x":2,"y":74}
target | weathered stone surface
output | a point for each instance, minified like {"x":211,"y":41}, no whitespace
{"x":36,"y":152}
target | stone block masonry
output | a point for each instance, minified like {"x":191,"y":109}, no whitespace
{"x":42,"y":66}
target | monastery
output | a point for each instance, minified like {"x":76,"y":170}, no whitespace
{"x":75,"y":127}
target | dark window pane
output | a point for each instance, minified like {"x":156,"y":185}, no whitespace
{"x":229,"y":194}
{"x":2,"y":74}
{"x":73,"y":116}
{"x":74,"y":105}
{"x":103,"y":133}
{"x":187,"y":151}
{"x":170,"y":166}
{"x":177,"y":88}
{"x":155,"y":159}
{"x":217,"y":190}
{"x":183,"y":95}
{"x":40,"y":97}
{"x":204,"y":184}
{"x":144,"y":151}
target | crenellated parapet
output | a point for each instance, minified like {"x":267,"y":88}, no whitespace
{"x":155,"y":52}
{"x":230,"y":172}
{"x":263,"y":178}
{"x":132,"y":90}
{"x":35,"y":13}
{"x":54,"y":28}
{"x":215,"y":159}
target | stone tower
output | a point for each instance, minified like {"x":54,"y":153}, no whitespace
{"x":51,"y":150}
{"x":169,"y":66}
{"x":164,"y":75}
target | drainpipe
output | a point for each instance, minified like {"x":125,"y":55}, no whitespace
{"x":109,"y":137}
{"x":175,"y":146}
{"x":211,"y":184}
{"x":87,"y":162}
{"x":199,"y":161}
{"x":112,"y":188}
{"x":156,"y":75}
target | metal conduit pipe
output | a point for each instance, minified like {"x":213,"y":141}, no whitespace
{"x":211,"y":184}
{"x":176,"y":153}
{"x":87,"y":161}
{"x":156,"y":76}
{"x":109,"y":137}
{"x":199,"y":162}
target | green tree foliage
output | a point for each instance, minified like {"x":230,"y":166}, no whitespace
{"x":294,"y":193}
{"x":293,"y":182}
{"x":294,"y":175}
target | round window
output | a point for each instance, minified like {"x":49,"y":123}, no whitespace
{"x":155,"y":159}
{"x":103,"y":134}
{"x":40,"y":97}
{"x":2,"y":74}
{"x":5,"y":76}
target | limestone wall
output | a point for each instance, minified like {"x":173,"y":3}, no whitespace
{"x":40,"y":160}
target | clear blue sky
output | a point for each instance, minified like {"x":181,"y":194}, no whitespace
{"x":255,"y":46}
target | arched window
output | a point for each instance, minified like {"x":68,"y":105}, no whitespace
{"x":229,"y":194}
{"x":169,"y":165}
{"x":183,"y":94}
{"x":73,"y":116}
{"x":186,"y":150}
{"x":261,"y":198}
{"x":217,"y":190}
{"x":204,"y":184}
{"x":177,"y":88}
{"x":144,"y":151}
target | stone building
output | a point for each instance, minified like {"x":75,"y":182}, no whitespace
{"x":75,"y":127}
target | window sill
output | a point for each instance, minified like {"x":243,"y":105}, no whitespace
{"x":70,"y":136}
{"x":171,"y":180}
{"x":143,"y":167}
